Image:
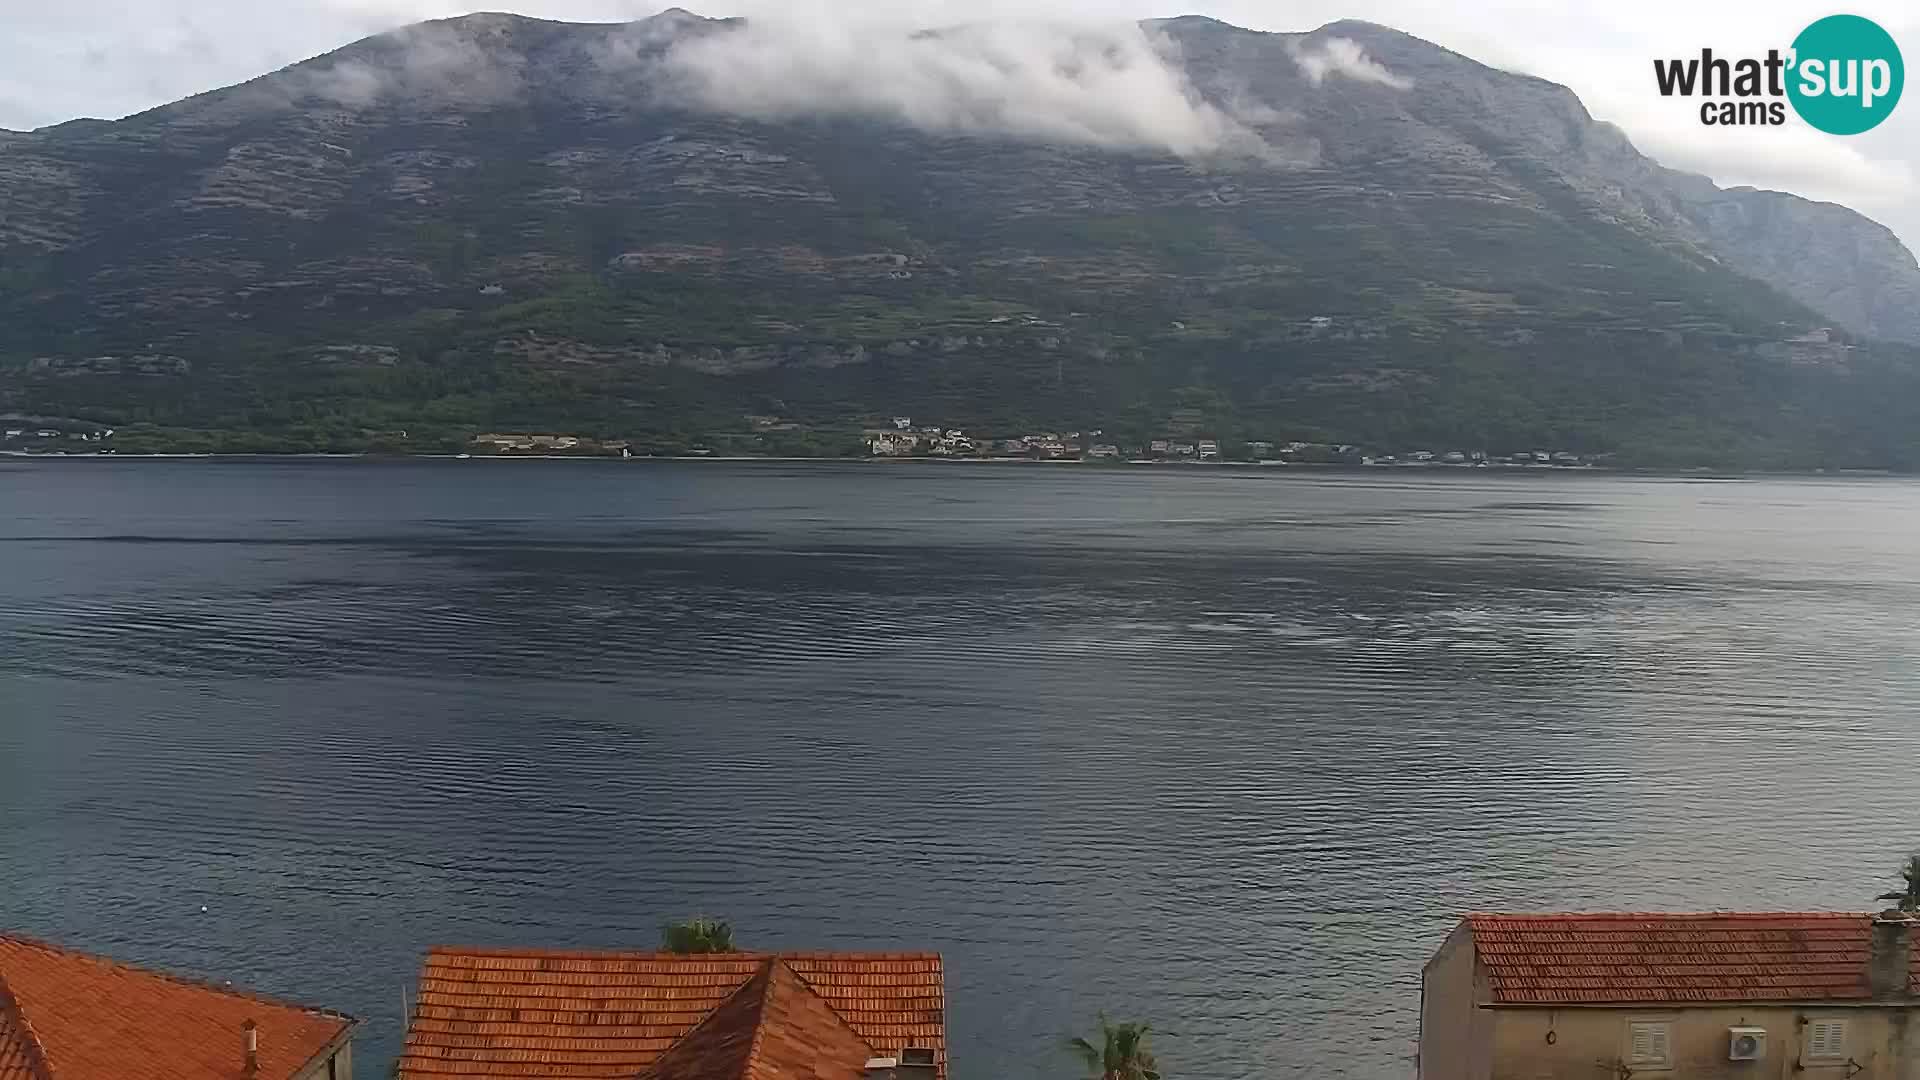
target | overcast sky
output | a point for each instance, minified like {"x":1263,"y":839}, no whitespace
{"x":107,"y":58}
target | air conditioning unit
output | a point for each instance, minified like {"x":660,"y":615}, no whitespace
{"x":1746,"y":1043}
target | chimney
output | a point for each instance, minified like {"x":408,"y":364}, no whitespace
{"x":917,"y":1063}
{"x":1889,"y":955}
{"x":251,"y":1042}
{"x":912,"y":1063}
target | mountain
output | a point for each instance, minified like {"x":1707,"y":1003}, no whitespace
{"x":1844,"y":266}
{"x":660,"y":229}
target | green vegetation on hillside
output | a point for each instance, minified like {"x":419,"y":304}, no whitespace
{"x":1454,"y":268}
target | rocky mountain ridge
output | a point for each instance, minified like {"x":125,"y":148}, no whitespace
{"x":495,"y":222}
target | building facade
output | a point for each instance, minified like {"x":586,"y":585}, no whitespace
{"x":1767,"y":996}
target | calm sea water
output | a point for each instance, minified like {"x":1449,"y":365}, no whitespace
{"x":1224,"y":750}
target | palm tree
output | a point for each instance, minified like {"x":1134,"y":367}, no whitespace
{"x":1123,"y":1053}
{"x":1908,"y":897}
{"x":699,"y":934}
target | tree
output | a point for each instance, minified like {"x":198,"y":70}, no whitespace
{"x":1909,"y":897}
{"x":699,"y":934}
{"x":1123,"y":1053}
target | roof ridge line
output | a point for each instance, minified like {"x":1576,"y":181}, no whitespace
{"x":35,"y":1051}
{"x":864,"y":954}
{"x":708,"y":1016}
{"x":181,"y":980}
{"x":837,"y":1014}
{"x":759,"y":1020}
{"x":540,"y":951}
{"x":662,"y":954}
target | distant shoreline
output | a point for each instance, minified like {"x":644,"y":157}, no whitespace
{"x":883,"y":460}
{"x":1132,"y":465}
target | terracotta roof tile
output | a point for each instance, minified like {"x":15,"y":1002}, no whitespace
{"x":582,"y":1015}
{"x":773,"y":1028}
{"x":19,"y":1052}
{"x":721,"y":1044}
{"x":69,"y":1016}
{"x":1642,"y":957}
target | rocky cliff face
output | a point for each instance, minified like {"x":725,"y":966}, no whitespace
{"x":1324,"y":228}
{"x":1844,"y":266}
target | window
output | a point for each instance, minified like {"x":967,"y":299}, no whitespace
{"x":1827,"y":1040}
{"x":1650,"y":1044}
{"x":917,"y":1055}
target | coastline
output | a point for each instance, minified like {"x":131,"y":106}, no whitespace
{"x":1398,"y":468}
{"x":862,"y":461}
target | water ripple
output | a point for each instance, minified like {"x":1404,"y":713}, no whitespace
{"x":1224,"y":752}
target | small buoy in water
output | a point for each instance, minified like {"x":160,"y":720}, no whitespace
{"x":203,"y":909}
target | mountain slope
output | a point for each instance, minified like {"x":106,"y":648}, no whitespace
{"x":1847,"y":268}
{"x":503,"y":222}
{"x":1844,"y":266}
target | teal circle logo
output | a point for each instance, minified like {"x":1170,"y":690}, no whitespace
{"x":1847,"y":74}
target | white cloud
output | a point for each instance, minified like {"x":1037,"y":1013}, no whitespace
{"x":424,"y":62}
{"x":104,"y":58}
{"x":1101,"y":84}
{"x":1343,"y":56}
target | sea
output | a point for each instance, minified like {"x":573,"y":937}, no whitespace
{"x":1224,"y":750}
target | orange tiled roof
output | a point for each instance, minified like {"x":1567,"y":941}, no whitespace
{"x":1637,"y":957}
{"x":593,"y":1015}
{"x":19,"y":1054}
{"x":773,"y":1028}
{"x":69,"y":1016}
